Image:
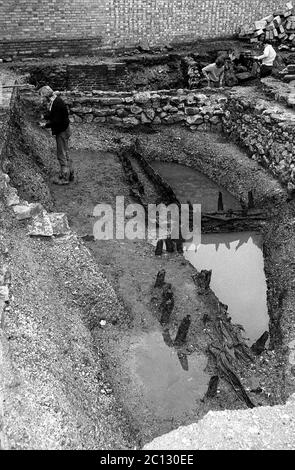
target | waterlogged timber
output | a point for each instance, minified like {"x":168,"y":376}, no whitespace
{"x":191,"y":185}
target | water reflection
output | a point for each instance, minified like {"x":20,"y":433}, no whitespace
{"x":238,"y":278}
{"x":183,"y":358}
{"x":165,"y":375}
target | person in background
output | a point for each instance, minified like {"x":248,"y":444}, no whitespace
{"x":268,"y":57}
{"x":230,"y":62}
{"x":57,"y":119}
{"x":215,"y":73}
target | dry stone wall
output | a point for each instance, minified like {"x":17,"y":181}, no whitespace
{"x":266,"y":129}
{"x":193,"y":109}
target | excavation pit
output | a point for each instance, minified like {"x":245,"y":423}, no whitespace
{"x":131,"y":343}
{"x":131,"y":347}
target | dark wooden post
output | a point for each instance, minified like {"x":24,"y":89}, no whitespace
{"x":250,"y":200}
{"x":179,"y":246}
{"x":220,"y":203}
{"x":167,"y":304}
{"x":160,"y":278}
{"x":169,"y":245}
{"x":159,"y":248}
{"x":182,"y":331}
{"x":212,"y":387}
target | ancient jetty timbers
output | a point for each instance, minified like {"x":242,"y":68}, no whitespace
{"x":246,"y":218}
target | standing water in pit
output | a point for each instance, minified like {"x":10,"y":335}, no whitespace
{"x":160,"y":385}
{"x":236,"y":259}
{"x":238,"y":278}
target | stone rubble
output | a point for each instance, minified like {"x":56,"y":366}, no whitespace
{"x":278,"y":27}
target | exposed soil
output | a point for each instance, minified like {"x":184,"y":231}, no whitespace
{"x":56,"y":393}
{"x":131,"y":268}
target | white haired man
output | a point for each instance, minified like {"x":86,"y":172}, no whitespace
{"x":57,"y":119}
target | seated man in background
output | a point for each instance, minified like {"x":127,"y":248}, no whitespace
{"x":57,"y":118}
{"x":268,"y":57}
{"x":215,"y":73}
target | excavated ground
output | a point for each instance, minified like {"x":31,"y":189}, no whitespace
{"x":131,"y":268}
{"x":56,"y":393}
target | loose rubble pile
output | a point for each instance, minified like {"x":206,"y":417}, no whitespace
{"x":42,"y":223}
{"x":278,"y":28}
{"x":192,"y":72}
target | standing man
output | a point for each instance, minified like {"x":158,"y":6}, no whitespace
{"x":57,"y":119}
{"x":215,"y":73}
{"x":267,"y":58}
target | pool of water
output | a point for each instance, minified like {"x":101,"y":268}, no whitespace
{"x":238,"y":277}
{"x":236,"y":259}
{"x":169,"y":384}
{"x":191,"y":185}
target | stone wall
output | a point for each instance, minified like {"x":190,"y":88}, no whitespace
{"x":41,"y":27}
{"x":193,"y":109}
{"x":266,"y":129}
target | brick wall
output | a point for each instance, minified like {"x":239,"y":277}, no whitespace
{"x":120,"y":22}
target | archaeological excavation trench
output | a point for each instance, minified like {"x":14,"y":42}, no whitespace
{"x":202,"y":329}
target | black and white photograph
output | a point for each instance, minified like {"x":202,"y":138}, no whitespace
{"x":147,"y":229}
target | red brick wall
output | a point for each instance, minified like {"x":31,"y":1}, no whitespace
{"x":125,"y":22}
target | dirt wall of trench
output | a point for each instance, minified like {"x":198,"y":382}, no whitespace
{"x":54,"y":394}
